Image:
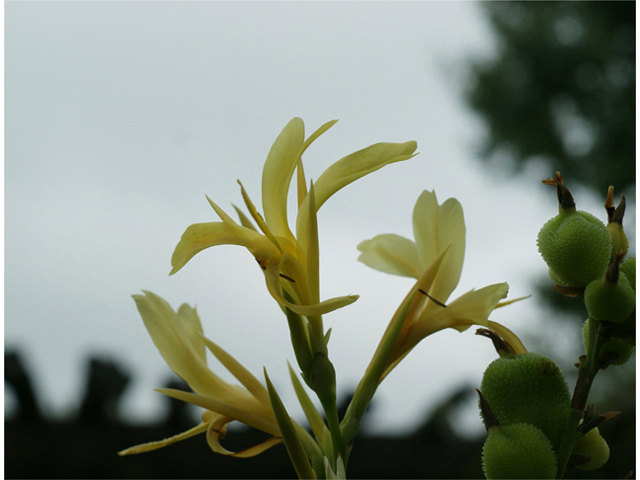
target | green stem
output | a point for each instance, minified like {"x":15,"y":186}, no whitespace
{"x":588,"y":370}
{"x":339,"y":447}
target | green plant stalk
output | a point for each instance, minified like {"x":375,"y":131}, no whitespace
{"x":587,"y":373}
{"x":339,"y":446}
{"x":371,"y":378}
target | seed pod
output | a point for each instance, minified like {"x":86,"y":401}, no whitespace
{"x":528,"y":388}
{"x":593,"y":446}
{"x":610,"y":298}
{"x":518,"y":451}
{"x":575,"y":245}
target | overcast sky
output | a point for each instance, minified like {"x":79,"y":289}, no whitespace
{"x":120,"y":117}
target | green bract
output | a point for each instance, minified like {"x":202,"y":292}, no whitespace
{"x":610,"y":301}
{"x":576,"y":246}
{"x":593,"y":446}
{"x":528,"y":388}
{"x":518,"y":451}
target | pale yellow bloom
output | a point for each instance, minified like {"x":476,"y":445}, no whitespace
{"x":290,"y":262}
{"x":435,"y":259}
{"x":179,"y":338}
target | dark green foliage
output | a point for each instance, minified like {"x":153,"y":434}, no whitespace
{"x":562,"y":87}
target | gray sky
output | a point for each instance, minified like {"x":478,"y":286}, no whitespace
{"x":121,"y":116}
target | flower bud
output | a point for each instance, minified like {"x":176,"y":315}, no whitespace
{"x":528,"y":388}
{"x":595,"y":447}
{"x":619,"y":240}
{"x":616,"y":351}
{"x":518,"y":451}
{"x":575,"y":245}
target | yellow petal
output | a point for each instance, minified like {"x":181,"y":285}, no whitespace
{"x":392,"y":254}
{"x":221,"y":213}
{"x":243,"y":375}
{"x":272,"y":276}
{"x":351,"y":168}
{"x":437,"y":228}
{"x":507,"y":335}
{"x":217,"y":431}
{"x":244,"y":220}
{"x":312,"y":251}
{"x":199,"y":236}
{"x":147,"y":447}
{"x":189,"y":320}
{"x":276,"y":176}
{"x":358,"y":164}
{"x":256,"y":418}
{"x":472,"y":308}
{"x":178,"y":338}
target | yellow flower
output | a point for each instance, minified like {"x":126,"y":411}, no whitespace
{"x":290,"y":262}
{"x":435,"y":259}
{"x":179,"y":338}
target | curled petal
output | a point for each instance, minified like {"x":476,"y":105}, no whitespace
{"x":147,"y":447}
{"x":392,"y":254}
{"x":217,"y":430}
{"x":199,"y":236}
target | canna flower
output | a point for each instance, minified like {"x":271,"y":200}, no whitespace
{"x":179,"y":338}
{"x":435,"y":260}
{"x":290,"y":262}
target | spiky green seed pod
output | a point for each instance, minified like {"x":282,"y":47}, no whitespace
{"x":528,"y":388}
{"x":617,"y":349}
{"x":610,"y":298}
{"x":518,"y":451}
{"x":593,"y":446}
{"x":575,"y":245}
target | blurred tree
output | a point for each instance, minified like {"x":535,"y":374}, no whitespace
{"x":561,"y":88}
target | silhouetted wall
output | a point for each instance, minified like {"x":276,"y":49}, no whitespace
{"x":86,"y":446}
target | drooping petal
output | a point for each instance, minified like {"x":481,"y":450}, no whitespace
{"x":436,"y":228}
{"x":351,"y":168}
{"x":276,"y":176}
{"x":147,"y":447}
{"x":392,"y":254}
{"x":258,"y":417}
{"x":200,"y":236}
{"x":217,"y":430}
